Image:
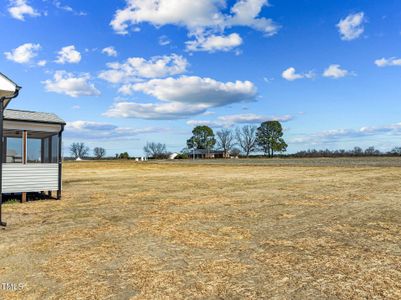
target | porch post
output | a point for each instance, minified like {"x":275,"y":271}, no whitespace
{"x":24,"y":147}
{"x":7,"y":94}
{"x":24,"y":157}
{"x":1,"y":160}
{"x":60,"y":162}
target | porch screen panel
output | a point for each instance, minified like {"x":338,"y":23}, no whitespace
{"x":46,"y":150}
{"x":54,"y":149}
{"x":13,"y":150}
{"x":34,"y":150}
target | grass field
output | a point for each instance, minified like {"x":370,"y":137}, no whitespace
{"x":284,"y":229}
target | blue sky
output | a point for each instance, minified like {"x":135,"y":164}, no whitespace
{"x":122,"y":73}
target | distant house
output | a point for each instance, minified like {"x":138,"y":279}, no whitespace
{"x":208,"y":154}
{"x":173,"y":155}
{"x":31,"y":157}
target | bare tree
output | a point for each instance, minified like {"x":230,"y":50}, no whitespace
{"x":99,"y":152}
{"x":357,"y":151}
{"x":246,"y":138}
{"x":156,"y":150}
{"x":225,"y":140}
{"x":371,"y":151}
{"x":396,"y":151}
{"x":235,"y":152}
{"x":79,"y":150}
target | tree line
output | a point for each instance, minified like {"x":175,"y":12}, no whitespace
{"x":151,"y":149}
{"x":267,"y":138}
{"x":356,"y":152}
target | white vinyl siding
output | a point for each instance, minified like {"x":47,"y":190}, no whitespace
{"x":18,"y":178}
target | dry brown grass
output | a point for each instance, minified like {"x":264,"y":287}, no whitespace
{"x":143,"y":231}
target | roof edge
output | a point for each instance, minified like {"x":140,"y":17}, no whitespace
{"x":61,"y":122}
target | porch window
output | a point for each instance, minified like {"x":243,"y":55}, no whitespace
{"x":50,"y":149}
{"x":40,"y":147}
{"x":33,"y":150}
{"x":54,"y":148}
{"x":13,"y":150}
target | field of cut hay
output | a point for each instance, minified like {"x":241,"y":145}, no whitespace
{"x":235,"y":230}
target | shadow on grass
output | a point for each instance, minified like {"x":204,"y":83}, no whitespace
{"x":10,"y":199}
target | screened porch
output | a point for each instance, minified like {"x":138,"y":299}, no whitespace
{"x":30,"y":147}
{"x":32,"y":156}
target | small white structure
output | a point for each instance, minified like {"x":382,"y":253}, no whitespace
{"x":173,"y":155}
{"x":31,"y":157}
{"x":30,"y":148}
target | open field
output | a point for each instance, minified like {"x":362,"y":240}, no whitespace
{"x":238,"y":229}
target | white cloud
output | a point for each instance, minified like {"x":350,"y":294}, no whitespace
{"x":160,"y":111}
{"x":137,"y":67}
{"x":214,"y":124}
{"x":164,"y":40}
{"x":71,"y":85}
{"x":67,"y":8}
{"x":194,"y":15}
{"x":335,"y":135}
{"x":61,"y":6}
{"x":291,"y":75}
{"x":42,"y":63}
{"x":197,"y":90}
{"x":213,"y":43}
{"x":110,"y":51}
{"x":231,"y":120}
{"x":335,"y":71}
{"x":99,"y":130}
{"x":268,"y":79}
{"x":24,"y":53}
{"x":388,"y":62}
{"x":183,"y":97}
{"x":351,"y":27}
{"x":187,"y":13}
{"x":68,"y":54}
{"x":18,"y":9}
{"x":253,"y":118}
{"x":246,"y":12}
